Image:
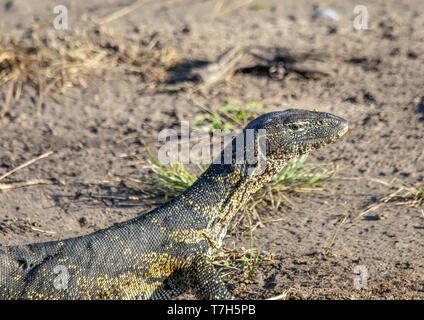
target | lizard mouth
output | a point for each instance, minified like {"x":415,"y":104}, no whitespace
{"x":343,"y":130}
{"x":339,"y":130}
{"x":318,"y":143}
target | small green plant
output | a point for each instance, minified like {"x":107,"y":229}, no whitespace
{"x":420,"y":195}
{"x":242,"y":260}
{"x":172,"y":180}
{"x":297,"y":174}
{"x":412,"y":196}
{"x":258,"y":7}
{"x":229,"y":116}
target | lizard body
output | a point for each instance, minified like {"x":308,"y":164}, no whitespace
{"x":166,"y":251}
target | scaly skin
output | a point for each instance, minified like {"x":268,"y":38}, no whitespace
{"x":167,"y":251}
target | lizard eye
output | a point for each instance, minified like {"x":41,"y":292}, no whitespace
{"x":320,"y":122}
{"x":295,"y":127}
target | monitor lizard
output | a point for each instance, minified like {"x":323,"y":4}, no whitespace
{"x":167,"y":251}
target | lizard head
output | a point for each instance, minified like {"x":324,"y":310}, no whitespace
{"x":293,"y":132}
{"x":287,"y":134}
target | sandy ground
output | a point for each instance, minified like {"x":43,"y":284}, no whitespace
{"x":98,"y":130}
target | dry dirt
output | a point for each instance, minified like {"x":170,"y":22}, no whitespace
{"x":97,"y":130}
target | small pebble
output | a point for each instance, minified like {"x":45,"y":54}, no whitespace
{"x":325,"y":14}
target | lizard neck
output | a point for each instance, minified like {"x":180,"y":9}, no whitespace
{"x":223,"y":189}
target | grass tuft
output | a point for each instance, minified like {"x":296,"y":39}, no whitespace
{"x":406,"y":194}
{"x":45,"y":62}
{"x":258,"y":7}
{"x":298,"y":174}
{"x":229,"y":116}
{"x":171,"y":180}
{"x":412,"y":196}
{"x":246,"y":261}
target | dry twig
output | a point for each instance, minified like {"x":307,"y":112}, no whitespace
{"x":26,"y":164}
